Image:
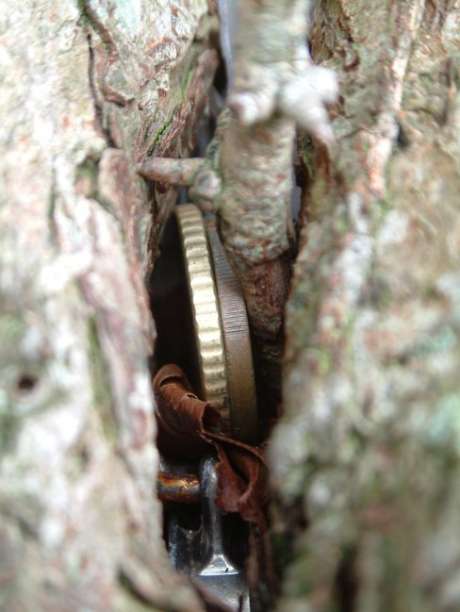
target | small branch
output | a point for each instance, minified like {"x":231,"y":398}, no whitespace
{"x":247,"y":174}
{"x":275,"y":87}
{"x":170,"y":170}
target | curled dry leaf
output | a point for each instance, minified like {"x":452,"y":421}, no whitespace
{"x":189,"y":428}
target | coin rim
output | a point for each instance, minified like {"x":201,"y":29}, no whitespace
{"x":206,"y":317}
{"x":237,"y":342}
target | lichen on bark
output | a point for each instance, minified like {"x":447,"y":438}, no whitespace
{"x":366,"y":457}
{"x":365,"y":460}
{"x":86,"y":88}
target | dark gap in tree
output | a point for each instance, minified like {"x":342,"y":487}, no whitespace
{"x":346,"y":581}
{"x":26,"y":382}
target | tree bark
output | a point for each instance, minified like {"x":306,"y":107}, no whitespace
{"x":365,"y":461}
{"x":247,"y":174}
{"x":87,"y":88}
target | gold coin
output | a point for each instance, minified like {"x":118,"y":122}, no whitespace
{"x":220,"y":324}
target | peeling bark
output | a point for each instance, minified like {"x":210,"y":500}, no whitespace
{"x":87,"y":88}
{"x":365,"y":462}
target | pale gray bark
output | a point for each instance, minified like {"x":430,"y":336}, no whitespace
{"x":87,"y":88}
{"x":366,"y":460}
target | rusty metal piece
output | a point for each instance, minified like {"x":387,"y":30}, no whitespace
{"x":182,"y":489}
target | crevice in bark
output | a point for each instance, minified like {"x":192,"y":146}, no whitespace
{"x":98,"y":109}
{"x":436,"y":12}
{"x":52,"y":207}
{"x":347,"y":582}
{"x":101,"y":383}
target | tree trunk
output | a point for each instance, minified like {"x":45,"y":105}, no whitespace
{"x":366,"y":460}
{"x":87,"y":88}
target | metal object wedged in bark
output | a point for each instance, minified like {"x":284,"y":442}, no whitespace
{"x":221,"y":328}
{"x":219,"y":575}
{"x":202,"y":554}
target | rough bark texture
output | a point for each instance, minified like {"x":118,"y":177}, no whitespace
{"x":247,"y":176}
{"x":366,"y":461}
{"x":275,"y":87}
{"x":87,"y":88}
